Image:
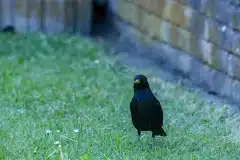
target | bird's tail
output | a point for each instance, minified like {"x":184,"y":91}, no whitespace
{"x":162,"y":132}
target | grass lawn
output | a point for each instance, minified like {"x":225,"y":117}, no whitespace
{"x":62,"y":96}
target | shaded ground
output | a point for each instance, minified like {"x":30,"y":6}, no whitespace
{"x":129,"y":52}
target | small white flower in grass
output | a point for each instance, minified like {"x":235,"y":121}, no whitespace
{"x":76,"y":130}
{"x":56,"y":142}
{"x":58,"y":131}
{"x":96,"y":61}
{"x":48,"y":131}
{"x":223,"y":29}
{"x":11,"y":136}
{"x":21,"y":111}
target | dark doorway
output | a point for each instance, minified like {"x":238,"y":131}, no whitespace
{"x":100,"y":17}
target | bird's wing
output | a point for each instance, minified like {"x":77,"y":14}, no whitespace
{"x":134,"y":111}
{"x":157,"y":112}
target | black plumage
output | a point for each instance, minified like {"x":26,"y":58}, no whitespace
{"x":146,"y":110}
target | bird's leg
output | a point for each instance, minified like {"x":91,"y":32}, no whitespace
{"x":139,"y":134}
{"x":153,"y":143}
{"x":153,"y":140}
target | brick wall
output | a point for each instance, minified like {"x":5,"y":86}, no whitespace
{"x":201,"y":38}
{"x":48,"y":16}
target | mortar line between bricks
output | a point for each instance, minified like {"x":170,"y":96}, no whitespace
{"x":185,"y":4}
{"x":186,"y":29}
{"x":177,"y":48}
{"x":200,"y":13}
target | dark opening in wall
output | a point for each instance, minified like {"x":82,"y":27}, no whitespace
{"x":100,"y":17}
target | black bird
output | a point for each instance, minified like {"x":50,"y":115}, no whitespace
{"x":146,"y":110}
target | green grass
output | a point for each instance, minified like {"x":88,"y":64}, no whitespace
{"x":67,"y":86}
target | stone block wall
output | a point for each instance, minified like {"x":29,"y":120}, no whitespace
{"x":200,"y":38}
{"x":48,"y":16}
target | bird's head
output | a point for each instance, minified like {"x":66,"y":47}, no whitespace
{"x":140,"y":82}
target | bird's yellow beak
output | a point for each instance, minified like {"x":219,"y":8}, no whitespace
{"x":137,"y":81}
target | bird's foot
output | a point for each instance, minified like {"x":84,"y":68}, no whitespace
{"x":153,"y":143}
